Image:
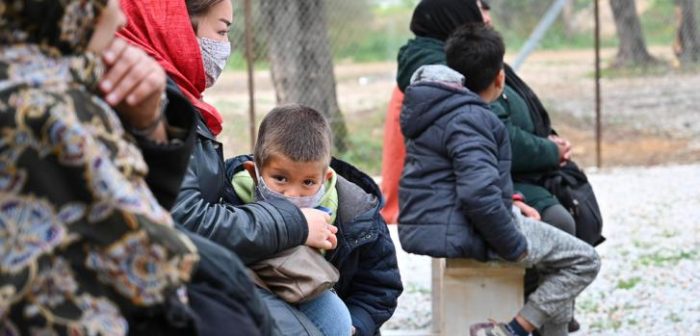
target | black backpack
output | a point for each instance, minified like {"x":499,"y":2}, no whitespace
{"x":570,"y":186}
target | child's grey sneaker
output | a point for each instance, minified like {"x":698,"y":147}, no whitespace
{"x":489,"y":329}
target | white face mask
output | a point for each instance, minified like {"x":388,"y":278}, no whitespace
{"x":263,"y":192}
{"x":215,"y":54}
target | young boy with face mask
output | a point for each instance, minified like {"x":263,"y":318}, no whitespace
{"x":293,"y":162}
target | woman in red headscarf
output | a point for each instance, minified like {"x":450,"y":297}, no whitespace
{"x":164,"y":31}
{"x":189,"y":38}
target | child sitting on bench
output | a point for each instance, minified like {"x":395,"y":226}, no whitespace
{"x":456,"y":191}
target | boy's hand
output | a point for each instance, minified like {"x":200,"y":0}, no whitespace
{"x":527,"y":210}
{"x":134,"y":84}
{"x":321,"y":233}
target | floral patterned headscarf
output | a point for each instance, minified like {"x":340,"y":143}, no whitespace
{"x":65,"y":26}
{"x":82,"y":239}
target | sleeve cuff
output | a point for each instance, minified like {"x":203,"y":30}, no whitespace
{"x":362,"y":321}
{"x":553,"y":151}
{"x":294,"y":220}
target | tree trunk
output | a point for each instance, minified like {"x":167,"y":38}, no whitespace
{"x":687,"y":38}
{"x":632,"y":50}
{"x":301,"y":60}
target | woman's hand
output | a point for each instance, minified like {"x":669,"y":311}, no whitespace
{"x":134,"y":84}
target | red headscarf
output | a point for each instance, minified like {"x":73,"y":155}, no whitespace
{"x":163,"y":29}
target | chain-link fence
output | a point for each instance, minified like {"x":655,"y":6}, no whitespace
{"x":334,"y":55}
{"x":339,"y":56}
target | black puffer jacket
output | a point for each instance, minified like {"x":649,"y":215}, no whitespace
{"x":369,"y":283}
{"x":455,"y":191}
{"x":254,"y":231}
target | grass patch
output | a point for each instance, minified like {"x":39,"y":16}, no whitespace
{"x":642,"y":245}
{"x":611,"y":324}
{"x":666,"y":258}
{"x":675,"y":318}
{"x":669,"y":233}
{"x":587,"y":305}
{"x":416,"y":289}
{"x":629,"y":283}
{"x":658,"y":23}
{"x":660,"y":69}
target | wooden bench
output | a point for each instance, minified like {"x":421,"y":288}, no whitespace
{"x":465,"y":292}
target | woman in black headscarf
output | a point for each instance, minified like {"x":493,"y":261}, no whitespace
{"x":433,"y":21}
{"x":535,"y":147}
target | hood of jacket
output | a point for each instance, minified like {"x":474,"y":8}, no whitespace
{"x":435,"y":91}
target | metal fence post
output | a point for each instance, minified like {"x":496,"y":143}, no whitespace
{"x":538,"y":33}
{"x":598,"y":124}
{"x":250,"y":65}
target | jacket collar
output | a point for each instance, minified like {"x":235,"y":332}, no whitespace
{"x":360,"y":201}
{"x":202,"y":128}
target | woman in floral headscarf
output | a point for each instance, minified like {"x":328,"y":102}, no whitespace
{"x":84,"y":245}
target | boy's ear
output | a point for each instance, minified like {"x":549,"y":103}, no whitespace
{"x":250,"y":167}
{"x":329,"y":174}
{"x":501,"y":80}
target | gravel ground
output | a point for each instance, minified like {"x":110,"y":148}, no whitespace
{"x":650,"y":280}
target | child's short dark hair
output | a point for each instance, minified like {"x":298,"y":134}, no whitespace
{"x":476,"y":51}
{"x":297,"y":132}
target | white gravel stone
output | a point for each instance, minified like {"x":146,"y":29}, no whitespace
{"x":649,"y":283}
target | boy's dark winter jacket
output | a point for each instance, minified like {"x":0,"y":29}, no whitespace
{"x":455,"y":192}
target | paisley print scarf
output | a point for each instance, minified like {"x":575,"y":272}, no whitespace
{"x":82,"y":239}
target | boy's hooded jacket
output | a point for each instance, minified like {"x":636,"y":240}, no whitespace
{"x":370,"y":283}
{"x":455,"y":192}
{"x":519,"y":108}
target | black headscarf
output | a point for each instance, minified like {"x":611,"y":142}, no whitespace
{"x":439,"y":18}
{"x":538,"y":113}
